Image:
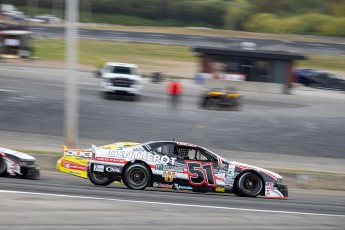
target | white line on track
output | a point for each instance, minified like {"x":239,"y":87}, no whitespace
{"x":172,"y":204}
{"x":8,"y":90}
{"x":156,"y":35}
{"x":114,"y":33}
{"x":193,"y":37}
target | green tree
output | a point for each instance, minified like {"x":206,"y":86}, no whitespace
{"x":237,"y":13}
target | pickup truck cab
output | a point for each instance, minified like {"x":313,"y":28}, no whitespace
{"x":120,"y":79}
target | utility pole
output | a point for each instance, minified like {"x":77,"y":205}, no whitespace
{"x":71,"y":104}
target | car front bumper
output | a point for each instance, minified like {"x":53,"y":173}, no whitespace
{"x":31,"y":172}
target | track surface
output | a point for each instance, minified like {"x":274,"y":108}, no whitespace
{"x":60,"y":201}
{"x":308,"y":123}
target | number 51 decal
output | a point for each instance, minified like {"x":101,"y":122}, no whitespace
{"x":200,"y":173}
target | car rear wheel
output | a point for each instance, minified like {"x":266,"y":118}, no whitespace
{"x":97,"y":178}
{"x":212,"y":103}
{"x":3,"y":167}
{"x":136,"y":176}
{"x":249,"y":184}
{"x":105,"y":95}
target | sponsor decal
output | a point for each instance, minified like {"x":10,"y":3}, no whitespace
{"x":182,"y":187}
{"x":112,"y":169}
{"x":160,"y":185}
{"x":168,"y":176}
{"x":113,"y":160}
{"x":170,"y":168}
{"x":78,"y":153}
{"x":220,"y":189}
{"x":229,"y":180}
{"x":98,"y":168}
{"x":137,"y":153}
{"x":269,"y":186}
{"x":271,"y":191}
{"x":74,"y":166}
{"x":231,"y":170}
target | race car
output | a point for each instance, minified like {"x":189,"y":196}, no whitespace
{"x":74,"y":161}
{"x":181,"y":166}
{"x":14,"y":163}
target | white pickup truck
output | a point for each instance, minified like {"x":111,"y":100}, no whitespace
{"x":120,"y":79}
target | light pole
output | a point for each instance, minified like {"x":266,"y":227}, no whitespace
{"x":71,"y":103}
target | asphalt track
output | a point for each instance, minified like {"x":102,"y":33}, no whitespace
{"x":61,"y":201}
{"x":32,"y":104}
{"x":333,"y":46}
{"x":308,"y":123}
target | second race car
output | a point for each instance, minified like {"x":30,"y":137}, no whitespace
{"x":181,"y":166}
{"x":14,"y":163}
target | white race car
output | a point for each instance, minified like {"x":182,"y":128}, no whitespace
{"x":181,"y":166}
{"x":14,"y":163}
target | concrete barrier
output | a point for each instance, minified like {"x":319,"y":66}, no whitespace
{"x":45,"y":161}
{"x":293,"y":180}
{"x":315,"y":181}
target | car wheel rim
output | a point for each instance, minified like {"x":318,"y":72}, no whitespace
{"x":250,"y":184}
{"x":137,"y":176}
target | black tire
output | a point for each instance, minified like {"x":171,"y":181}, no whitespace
{"x":237,"y":104}
{"x":3,"y":167}
{"x":249,"y":185}
{"x":212,"y":103}
{"x":97,"y":178}
{"x":314,"y":85}
{"x":136,"y":176}
{"x":135,"y":97}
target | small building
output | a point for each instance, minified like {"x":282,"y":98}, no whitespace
{"x":247,"y":69}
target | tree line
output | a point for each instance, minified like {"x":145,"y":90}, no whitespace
{"x":315,"y":17}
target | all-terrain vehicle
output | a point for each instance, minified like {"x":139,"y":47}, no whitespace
{"x":221,"y":99}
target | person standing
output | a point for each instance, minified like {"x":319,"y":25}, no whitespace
{"x":174,"y":89}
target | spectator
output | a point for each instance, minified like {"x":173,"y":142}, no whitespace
{"x":174,"y":89}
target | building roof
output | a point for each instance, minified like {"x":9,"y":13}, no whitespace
{"x":280,"y":55}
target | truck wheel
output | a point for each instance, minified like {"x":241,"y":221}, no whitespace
{"x":212,"y":103}
{"x":105,"y":95}
{"x":249,"y":184}
{"x":3,"y":167}
{"x":97,"y":178}
{"x":135,"y":97}
{"x":137,"y":176}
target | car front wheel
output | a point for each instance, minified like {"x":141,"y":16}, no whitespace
{"x":249,"y":184}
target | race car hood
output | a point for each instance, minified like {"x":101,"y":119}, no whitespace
{"x":20,"y":155}
{"x":268,"y":172}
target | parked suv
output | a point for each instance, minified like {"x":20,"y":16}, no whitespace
{"x":323,"y":79}
{"x":121,"y":79}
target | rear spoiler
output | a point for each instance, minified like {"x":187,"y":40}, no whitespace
{"x":83,"y":153}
